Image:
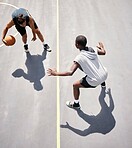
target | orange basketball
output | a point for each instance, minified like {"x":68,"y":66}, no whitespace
{"x":9,"y":40}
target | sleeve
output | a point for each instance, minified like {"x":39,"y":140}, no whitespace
{"x":77,"y":59}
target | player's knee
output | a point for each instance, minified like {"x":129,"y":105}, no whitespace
{"x":75,"y":85}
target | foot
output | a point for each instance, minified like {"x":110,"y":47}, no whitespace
{"x":46,"y":47}
{"x":26,"y":48}
{"x":103,"y":85}
{"x":73,"y":105}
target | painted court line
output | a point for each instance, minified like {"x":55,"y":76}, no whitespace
{"x":58,"y":87}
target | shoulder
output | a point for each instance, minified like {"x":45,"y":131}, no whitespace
{"x":91,"y":49}
{"x":78,"y":57}
{"x":10,"y":24}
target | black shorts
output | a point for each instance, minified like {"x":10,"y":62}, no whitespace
{"x":22,"y":30}
{"x":85,"y":84}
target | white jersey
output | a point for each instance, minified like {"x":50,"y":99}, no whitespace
{"x":92,"y":67}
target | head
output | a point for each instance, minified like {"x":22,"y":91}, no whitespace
{"x":21,"y":19}
{"x":81,"y":42}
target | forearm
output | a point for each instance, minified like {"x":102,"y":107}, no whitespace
{"x":4,"y":33}
{"x":67,"y":73}
{"x":31,"y":23}
{"x":53,"y":72}
{"x":33,"y":32}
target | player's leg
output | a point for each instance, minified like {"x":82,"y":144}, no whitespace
{"x":76,"y":89}
{"x":24,"y":39}
{"x":76,"y":93}
{"x":23,"y":33}
{"x":39,"y":34}
{"x":41,"y":37}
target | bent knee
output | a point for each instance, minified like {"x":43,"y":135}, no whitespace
{"x":77,"y":85}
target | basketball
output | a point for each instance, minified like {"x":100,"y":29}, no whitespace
{"x":9,"y":40}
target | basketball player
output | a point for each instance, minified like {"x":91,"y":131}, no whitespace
{"x":20,"y":19}
{"x":87,"y":61}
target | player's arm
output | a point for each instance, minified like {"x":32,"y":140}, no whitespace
{"x":101,"y":50}
{"x":52,"y":72}
{"x":31,"y":24}
{"x":8,"y":26}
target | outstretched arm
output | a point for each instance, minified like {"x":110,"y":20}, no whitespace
{"x":9,"y":25}
{"x":101,"y":49}
{"x":52,"y":72}
{"x":75,"y":130}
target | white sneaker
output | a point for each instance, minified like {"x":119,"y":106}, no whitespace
{"x":46,"y":47}
{"x":73,"y":105}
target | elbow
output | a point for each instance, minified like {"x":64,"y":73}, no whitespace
{"x":6,"y":28}
{"x":70,"y":73}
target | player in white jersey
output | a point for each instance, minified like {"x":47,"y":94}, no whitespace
{"x":87,"y":60}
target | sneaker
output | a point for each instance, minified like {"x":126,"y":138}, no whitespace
{"x":26,"y":48}
{"x":46,"y":47}
{"x":103,"y":85}
{"x":73,"y":105}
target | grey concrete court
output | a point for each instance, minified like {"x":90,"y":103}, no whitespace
{"x":28,"y":100}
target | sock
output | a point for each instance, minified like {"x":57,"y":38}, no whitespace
{"x":25,"y":43}
{"x":43,"y":43}
{"x":76,"y":101}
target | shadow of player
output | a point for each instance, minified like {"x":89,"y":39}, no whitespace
{"x":35,"y":70}
{"x":103,"y":122}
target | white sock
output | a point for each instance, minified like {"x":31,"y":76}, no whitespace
{"x":76,"y":101}
{"x":43,"y":43}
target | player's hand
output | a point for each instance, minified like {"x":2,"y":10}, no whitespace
{"x":4,"y":41}
{"x":34,"y":38}
{"x":101,"y":49}
{"x":52,"y":72}
{"x":65,"y":126}
{"x":100,"y":46}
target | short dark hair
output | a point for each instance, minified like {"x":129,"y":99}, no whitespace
{"x":81,"y":40}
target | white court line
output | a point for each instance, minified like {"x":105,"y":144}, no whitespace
{"x":58,"y":86}
{"x":1,"y":3}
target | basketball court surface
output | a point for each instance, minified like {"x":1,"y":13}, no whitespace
{"x":33,"y":113}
